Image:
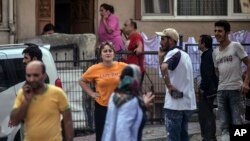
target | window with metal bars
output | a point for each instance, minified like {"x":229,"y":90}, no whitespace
{"x":194,"y":7}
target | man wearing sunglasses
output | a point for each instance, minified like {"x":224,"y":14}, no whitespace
{"x":176,"y":70}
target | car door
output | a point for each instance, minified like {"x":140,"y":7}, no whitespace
{"x":7,"y":93}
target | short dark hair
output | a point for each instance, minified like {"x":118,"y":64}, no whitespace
{"x":108,"y":7}
{"x":48,"y":27}
{"x":223,"y":23}
{"x":133,"y":23}
{"x":43,"y":68}
{"x":207,"y":39}
{"x":33,"y":50}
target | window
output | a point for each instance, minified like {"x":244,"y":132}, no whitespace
{"x":3,"y":78}
{"x":241,"y":6}
{"x":158,"y":6}
{"x":201,"y":9}
{"x":19,"y":70}
{"x":12,"y":72}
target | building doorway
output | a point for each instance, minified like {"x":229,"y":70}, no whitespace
{"x":62,"y":16}
{"x":68,"y":16}
{"x":74,"y":16}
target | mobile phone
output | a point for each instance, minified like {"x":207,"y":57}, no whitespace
{"x":29,"y":88}
{"x":176,"y":94}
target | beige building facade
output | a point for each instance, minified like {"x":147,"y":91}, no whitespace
{"x":22,"y":19}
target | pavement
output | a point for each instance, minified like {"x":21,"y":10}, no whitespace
{"x":158,"y":133}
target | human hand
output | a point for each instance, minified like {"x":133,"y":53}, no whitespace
{"x":136,"y":51}
{"x":106,"y":15}
{"x":95,"y":95}
{"x":27,"y":92}
{"x":148,"y":99}
{"x":10,"y":124}
{"x":174,"y":92}
{"x":161,"y":54}
{"x":124,"y":56}
{"x":244,"y":88}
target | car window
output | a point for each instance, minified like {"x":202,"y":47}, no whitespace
{"x":12,"y":72}
{"x":19,"y":70}
{"x":3,"y":78}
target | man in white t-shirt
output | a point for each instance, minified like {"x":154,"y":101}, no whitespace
{"x":177,"y":73}
{"x":227,"y":60}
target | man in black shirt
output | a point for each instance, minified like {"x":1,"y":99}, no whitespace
{"x":31,"y":53}
{"x":208,"y":89}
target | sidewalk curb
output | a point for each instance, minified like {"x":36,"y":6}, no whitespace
{"x":163,"y":138}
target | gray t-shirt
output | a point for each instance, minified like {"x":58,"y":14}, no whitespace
{"x":228,"y":62}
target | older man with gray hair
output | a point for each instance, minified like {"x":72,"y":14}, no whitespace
{"x":176,"y":69}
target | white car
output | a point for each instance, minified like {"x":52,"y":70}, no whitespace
{"x":12,"y":77}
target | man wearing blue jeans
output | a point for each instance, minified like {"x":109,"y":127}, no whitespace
{"x":227,"y":60}
{"x":176,"y":69}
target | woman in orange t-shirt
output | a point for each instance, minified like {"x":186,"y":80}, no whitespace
{"x":106,"y":76}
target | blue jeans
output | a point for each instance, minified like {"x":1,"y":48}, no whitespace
{"x":177,"y":124}
{"x":231,"y":108}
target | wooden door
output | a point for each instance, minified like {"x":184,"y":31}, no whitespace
{"x":44,"y":13}
{"x":82,"y":16}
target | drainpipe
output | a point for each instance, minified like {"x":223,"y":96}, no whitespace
{"x":11,"y":22}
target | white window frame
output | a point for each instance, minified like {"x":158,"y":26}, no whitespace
{"x":166,"y":17}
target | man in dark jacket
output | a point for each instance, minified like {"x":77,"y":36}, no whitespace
{"x":208,"y":88}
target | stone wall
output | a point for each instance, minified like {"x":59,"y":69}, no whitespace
{"x":85,"y":44}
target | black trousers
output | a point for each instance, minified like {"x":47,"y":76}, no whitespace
{"x":247,"y":113}
{"x":100,"y":116}
{"x":207,"y":118}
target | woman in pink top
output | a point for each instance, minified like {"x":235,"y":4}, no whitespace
{"x":109,"y":29}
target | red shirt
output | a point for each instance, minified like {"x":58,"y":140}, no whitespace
{"x":133,"y":58}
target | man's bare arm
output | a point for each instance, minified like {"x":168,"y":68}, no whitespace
{"x":68,"y":125}
{"x":245,"y":85}
{"x":165,"y":75}
{"x":161,"y":55}
{"x":139,"y":49}
{"x":18,"y":114}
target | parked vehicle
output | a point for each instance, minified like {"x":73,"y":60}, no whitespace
{"x":12,"y":77}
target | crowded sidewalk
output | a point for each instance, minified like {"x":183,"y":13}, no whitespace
{"x":158,"y":133}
